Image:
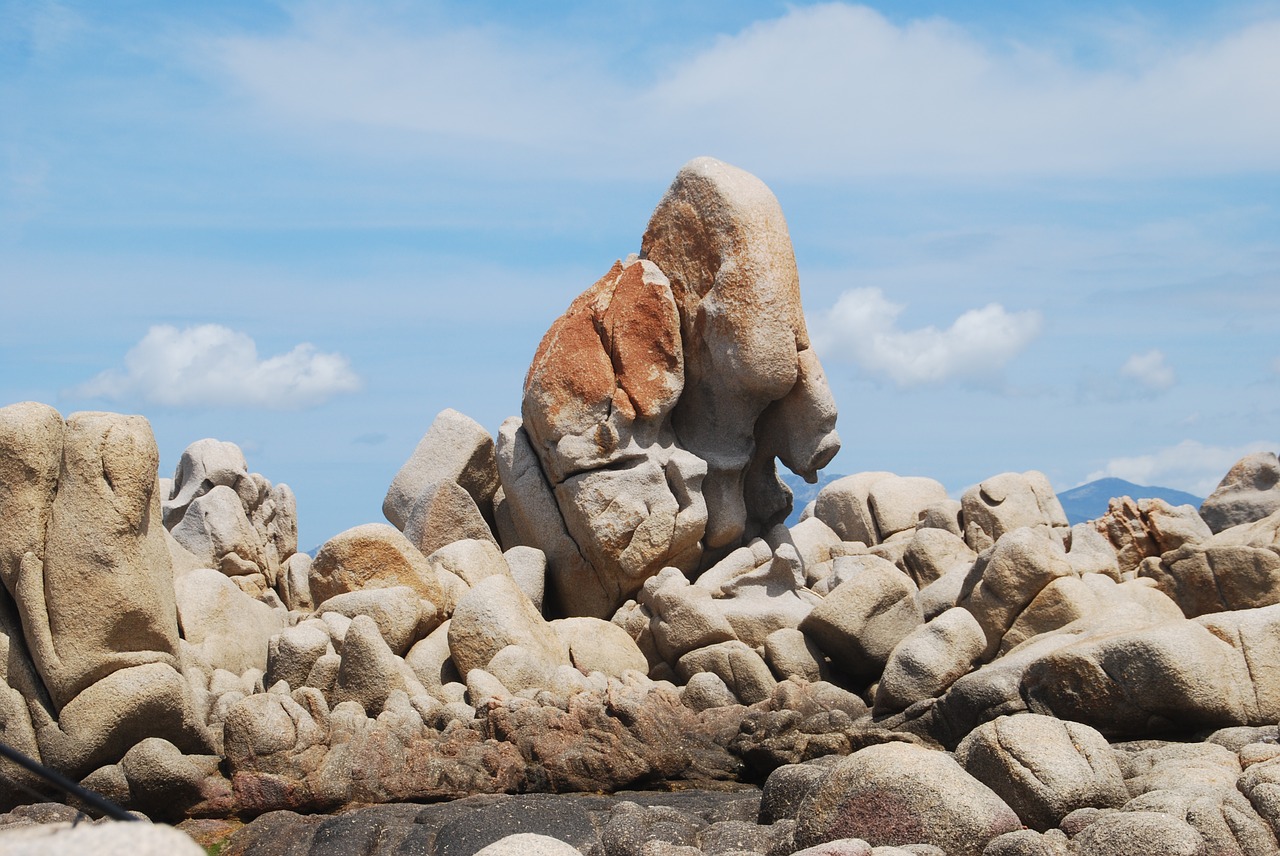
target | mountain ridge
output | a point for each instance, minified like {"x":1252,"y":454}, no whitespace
{"x":1083,"y":502}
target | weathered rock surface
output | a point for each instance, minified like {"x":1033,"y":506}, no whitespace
{"x":374,"y":555}
{"x":720,"y":237}
{"x":1249,"y":491}
{"x":87,"y":565}
{"x":1043,"y":768}
{"x":204,"y":669}
{"x":456,"y":450}
{"x":1007,"y":502}
{"x":898,"y":794}
{"x":229,"y":518}
{"x":654,"y":448}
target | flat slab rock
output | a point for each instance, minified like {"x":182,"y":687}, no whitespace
{"x":463,"y":827}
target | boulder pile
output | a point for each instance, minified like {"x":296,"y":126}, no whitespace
{"x":606,"y":597}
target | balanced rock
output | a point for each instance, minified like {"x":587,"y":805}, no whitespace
{"x":455,"y":449}
{"x":1249,"y":491}
{"x":719,"y":236}
{"x":656,"y":405}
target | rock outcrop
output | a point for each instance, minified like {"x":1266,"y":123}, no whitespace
{"x":230,"y":519}
{"x":605,"y":597}
{"x":658,"y":403}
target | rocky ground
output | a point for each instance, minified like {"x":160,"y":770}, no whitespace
{"x":605,"y":598}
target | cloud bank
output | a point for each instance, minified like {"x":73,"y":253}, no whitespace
{"x":831,"y":90}
{"x":1150,"y":370}
{"x":1190,"y":465}
{"x":213,"y":366}
{"x":862,"y":328}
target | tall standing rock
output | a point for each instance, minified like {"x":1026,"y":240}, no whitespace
{"x":228,"y":518}
{"x":93,"y":584}
{"x":596,"y":410}
{"x":106,"y":595}
{"x":720,"y":237}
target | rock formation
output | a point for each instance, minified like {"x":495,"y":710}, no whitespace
{"x":605,"y":598}
{"x":658,"y":403}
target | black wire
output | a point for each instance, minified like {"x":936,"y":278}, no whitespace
{"x":61,"y":782}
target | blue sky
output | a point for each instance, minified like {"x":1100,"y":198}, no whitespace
{"x":1029,"y":235}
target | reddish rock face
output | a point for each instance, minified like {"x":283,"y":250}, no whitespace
{"x":657,"y":404}
{"x":606,"y":374}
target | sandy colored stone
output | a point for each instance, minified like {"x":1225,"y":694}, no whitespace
{"x":606,"y":373}
{"x":230,"y":629}
{"x":1175,"y":676}
{"x":528,"y":566}
{"x":528,"y":844}
{"x":102,"y":599}
{"x":1127,"y":832}
{"x":719,"y":236}
{"x":933,"y":552}
{"x":106,"y":839}
{"x":740,"y":667}
{"x":374,"y":555}
{"x":929,"y":660}
{"x":445,"y":513}
{"x":401,"y":615}
{"x":896,"y":794}
{"x":577,"y":586}
{"x":790,"y":653}
{"x":898,"y":503}
{"x":292,"y":653}
{"x":844,"y":506}
{"x":1044,"y":768}
{"x":455,"y":448}
{"x":864,"y":618}
{"x":495,"y":614}
{"x":1249,"y":491}
{"x":370,"y":671}
{"x":596,"y":645}
{"x":1007,"y":502}
{"x":128,"y":705}
{"x":684,"y":617}
{"x":1006,"y":578}
{"x":430,"y":660}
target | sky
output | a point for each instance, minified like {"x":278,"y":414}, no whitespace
{"x":1030,"y":236}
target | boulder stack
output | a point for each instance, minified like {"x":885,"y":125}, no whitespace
{"x":606,"y":598}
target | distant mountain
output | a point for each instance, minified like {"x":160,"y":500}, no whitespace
{"x":803,"y":493}
{"x":1090,"y":500}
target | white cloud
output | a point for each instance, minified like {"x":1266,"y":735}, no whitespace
{"x":1150,"y":370}
{"x":862,"y":328}
{"x":212,"y":366}
{"x":1190,"y":465}
{"x":831,"y":90}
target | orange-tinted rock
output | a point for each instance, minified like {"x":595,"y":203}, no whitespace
{"x":606,"y":374}
{"x":720,"y":237}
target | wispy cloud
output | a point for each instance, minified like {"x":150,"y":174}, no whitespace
{"x":1190,"y":465}
{"x":832,"y":90}
{"x":213,"y":366}
{"x":862,"y":328}
{"x":1150,"y":370}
